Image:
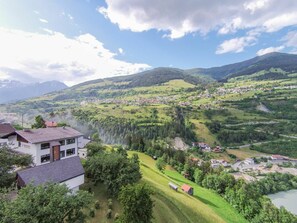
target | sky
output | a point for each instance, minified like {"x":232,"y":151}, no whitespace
{"x":79,"y":40}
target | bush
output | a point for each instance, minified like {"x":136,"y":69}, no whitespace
{"x":97,"y":205}
{"x":116,"y":216}
{"x":92,"y":213}
{"x":110,"y":203}
{"x":108,"y":214}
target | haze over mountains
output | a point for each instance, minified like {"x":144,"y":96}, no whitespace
{"x":12,"y":90}
{"x":270,"y":66}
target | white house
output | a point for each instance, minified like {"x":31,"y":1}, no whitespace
{"x":55,"y":156}
{"x":48,"y":144}
{"x":68,"y":171}
{"x":249,"y":161}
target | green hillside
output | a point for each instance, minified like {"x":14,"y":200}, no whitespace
{"x":204,"y":206}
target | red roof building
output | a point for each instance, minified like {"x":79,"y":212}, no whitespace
{"x":51,"y":124}
{"x":188,"y":189}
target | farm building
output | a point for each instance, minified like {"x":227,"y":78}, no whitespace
{"x":188,"y":189}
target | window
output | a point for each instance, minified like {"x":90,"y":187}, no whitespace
{"x":70,"y":141}
{"x":45,"y":145}
{"x":70,"y":152}
{"x":45,"y":158}
{"x":62,"y":154}
{"x":62,"y":142}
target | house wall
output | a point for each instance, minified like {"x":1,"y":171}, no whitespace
{"x":28,"y":148}
{"x":36,"y":151}
{"x":12,"y":141}
{"x":74,"y":183}
{"x":3,"y":142}
{"x":82,"y":153}
{"x":41,"y":152}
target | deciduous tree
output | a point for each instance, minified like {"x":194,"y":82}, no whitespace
{"x":137,"y":204}
{"x":46,"y":204}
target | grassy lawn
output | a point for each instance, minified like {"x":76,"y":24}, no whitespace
{"x":101,"y":195}
{"x":204,"y":206}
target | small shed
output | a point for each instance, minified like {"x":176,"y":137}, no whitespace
{"x":173,"y":186}
{"x":188,"y":189}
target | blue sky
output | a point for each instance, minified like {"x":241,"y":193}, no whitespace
{"x":76,"y":41}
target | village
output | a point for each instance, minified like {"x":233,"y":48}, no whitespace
{"x":249,"y":169}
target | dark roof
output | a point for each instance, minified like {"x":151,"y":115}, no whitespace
{"x":56,"y":172}
{"x":48,"y":134}
{"x":6,"y":129}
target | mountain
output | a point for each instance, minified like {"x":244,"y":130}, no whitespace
{"x":274,"y":65}
{"x":152,"y":77}
{"x":11,"y":90}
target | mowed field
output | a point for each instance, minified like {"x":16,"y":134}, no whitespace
{"x":172,"y":206}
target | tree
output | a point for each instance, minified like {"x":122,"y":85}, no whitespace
{"x":94,"y":148}
{"x":160,"y":164}
{"x":96,"y":138}
{"x":39,"y":122}
{"x":46,"y":204}
{"x":113,"y":169}
{"x":9,"y":159}
{"x":137,"y":204}
{"x":198,"y":176}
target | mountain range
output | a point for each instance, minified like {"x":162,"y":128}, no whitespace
{"x":270,"y":66}
{"x":12,"y":90}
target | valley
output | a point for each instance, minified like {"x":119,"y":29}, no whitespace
{"x":242,"y":124}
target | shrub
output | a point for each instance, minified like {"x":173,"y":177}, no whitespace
{"x":116,"y":216}
{"x":97,"y":205}
{"x":92,"y":213}
{"x":108,"y":214}
{"x":110,"y":203}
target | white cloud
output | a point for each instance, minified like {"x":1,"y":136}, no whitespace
{"x":269,"y":50}
{"x":255,"y":5}
{"x":53,"y":56}
{"x":236,"y":45}
{"x":36,"y":12}
{"x":43,"y":20}
{"x":178,"y":18}
{"x":235,"y":24}
{"x":277,"y":23}
{"x":121,"y":51}
{"x":291,"y":39}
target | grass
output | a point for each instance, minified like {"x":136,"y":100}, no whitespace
{"x":100,"y":194}
{"x":244,"y":153}
{"x":203,"y":133}
{"x":204,"y":206}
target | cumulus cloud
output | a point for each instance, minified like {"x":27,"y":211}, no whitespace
{"x":179,"y":18}
{"x":270,"y":50}
{"x":53,"y":56}
{"x":236,"y":45}
{"x":291,"y":39}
